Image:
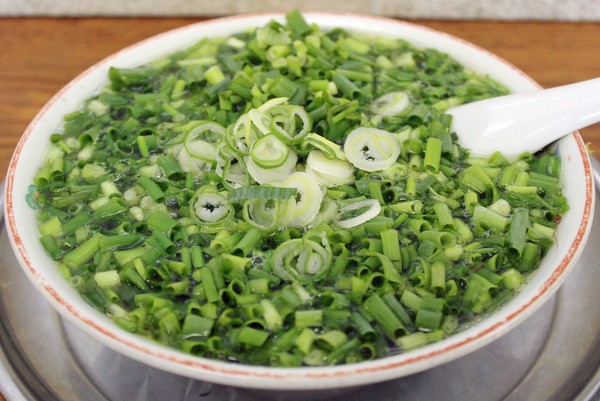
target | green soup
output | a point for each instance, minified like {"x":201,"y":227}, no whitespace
{"x":288,"y":196}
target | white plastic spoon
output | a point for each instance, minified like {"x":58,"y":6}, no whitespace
{"x":526,"y":122}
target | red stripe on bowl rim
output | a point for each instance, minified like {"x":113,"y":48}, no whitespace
{"x":207,"y":365}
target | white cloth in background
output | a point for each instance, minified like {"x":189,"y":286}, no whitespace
{"x":558,"y":10}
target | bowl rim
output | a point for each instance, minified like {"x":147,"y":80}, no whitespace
{"x":380,"y":369}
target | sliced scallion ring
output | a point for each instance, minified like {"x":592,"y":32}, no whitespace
{"x":262,"y":213}
{"x":191,"y":164}
{"x":260,"y":121}
{"x":210,"y":207}
{"x":301,"y":260}
{"x":269,"y":152}
{"x":390,"y":104}
{"x":330,"y":149}
{"x":354,"y":214}
{"x":200,"y":139}
{"x":272,"y":103}
{"x":307,"y":202}
{"x":272,"y":175}
{"x":243,"y":134}
{"x":225,"y":152}
{"x":371,"y":149}
{"x":326,"y":213}
{"x":235,"y":173}
{"x":290,"y":123}
{"x":202,"y":150}
{"x":329,"y":172}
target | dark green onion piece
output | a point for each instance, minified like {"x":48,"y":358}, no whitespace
{"x":261,"y":192}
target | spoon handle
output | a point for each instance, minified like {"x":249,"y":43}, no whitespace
{"x":523,"y":122}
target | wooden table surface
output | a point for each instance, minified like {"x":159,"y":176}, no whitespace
{"x":40,"y":55}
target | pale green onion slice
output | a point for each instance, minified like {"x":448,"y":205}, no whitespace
{"x":201,"y":150}
{"x":243,"y":134}
{"x":262,"y":213}
{"x":272,"y":175}
{"x":200,"y":139}
{"x":390,"y":104}
{"x":301,"y":260}
{"x":269,"y":152}
{"x":235,"y":42}
{"x":225,"y":152}
{"x":307,"y":201}
{"x":290,"y":123}
{"x":330,"y":149}
{"x":371,"y":149}
{"x":260,"y":120}
{"x":191,"y":164}
{"x":357,"y":213}
{"x":272,"y":103}
{"x":235,"y":173}
{"x":211,"y":207}
{"x":107,"y":278}
{"x":326,"y":213}
{"x":395,"y":172}
{"x":329,"y":172}
{"x":208,"y":131}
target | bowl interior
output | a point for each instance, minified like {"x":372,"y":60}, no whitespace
{"x":570,"y":236}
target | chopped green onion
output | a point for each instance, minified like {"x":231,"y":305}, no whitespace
{"x":289,"y":196}
{"x":371,"y":149}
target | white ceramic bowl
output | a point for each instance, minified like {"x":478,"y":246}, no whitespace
{"x":41,"y":270}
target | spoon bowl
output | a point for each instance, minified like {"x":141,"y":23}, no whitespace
{"x":526,"y":122}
